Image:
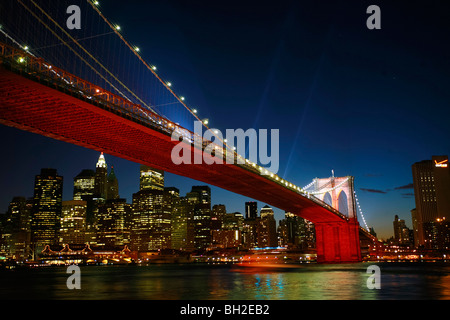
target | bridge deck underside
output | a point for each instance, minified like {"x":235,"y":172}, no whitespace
{"x":28,"y":105}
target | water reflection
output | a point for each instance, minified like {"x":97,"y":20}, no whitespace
{"x":195,"y":282}
{"x":308,"y":284}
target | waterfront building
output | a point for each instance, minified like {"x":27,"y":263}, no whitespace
{"x":226,"y":238}
{"x":230,"y":233}
{"x":16,"y":232}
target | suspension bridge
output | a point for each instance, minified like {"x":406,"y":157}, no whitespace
{"x":74,"y":88}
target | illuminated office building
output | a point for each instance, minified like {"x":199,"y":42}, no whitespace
{"x":84,"y":185}
{"x":182,"y":225}
{"x":230,"y":234}
{"x":217,"y":216}
{"x":15,"y":240}
{"x":84,"y":190}
{"x":113,"y":224}
{"x":296,"y":232}
{"x":151,"y":220}
{"x":151,"y":179}
{"x":226,"y":238}
{"x":402,"y":234}
{"x":200,"y":197}
{"x":431,"y":180}
{"x":73,"y":222}
{"x":249,"y":233}
{"x":288,"y":231}
{"x":46,"y":212}
{"x":267,"y":228}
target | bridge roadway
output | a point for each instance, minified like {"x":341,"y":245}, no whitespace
{"x":35,"y":100}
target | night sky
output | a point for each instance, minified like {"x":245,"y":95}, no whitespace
{"x":366,"y":103}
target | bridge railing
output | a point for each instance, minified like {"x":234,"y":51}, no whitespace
{"x":23,"y":62}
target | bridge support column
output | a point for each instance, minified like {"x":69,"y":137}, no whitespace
{"x":338,"y":242}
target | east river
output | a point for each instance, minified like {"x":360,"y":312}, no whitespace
{"x":408,"y":281}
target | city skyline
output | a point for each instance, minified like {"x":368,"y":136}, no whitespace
{"x":68,"y":193}
{"x":345,"y":98}
{"x":158,"y":218}
{"x":187,"y":184}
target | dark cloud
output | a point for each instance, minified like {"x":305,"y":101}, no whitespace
{"x":407,"y":195}
{"x":373,"y":190}
{"x":373,"y":174}
{"x":408,"y":186}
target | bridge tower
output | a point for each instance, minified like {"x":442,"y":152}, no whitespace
{"x":337,"y":192}
{"x":337,"y":241}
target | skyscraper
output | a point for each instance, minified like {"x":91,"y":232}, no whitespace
{"x":251,"y":225}
{"x":84,"y":190}
{"x":182,"y":225}
{"x":112,"y":191}
{"x":401,"y":232}
{"x":46,"y":212}
{"x":267,"y":228}
{"x":73,"y":222}
{"x":101,"y":178}
{"x":16,"y":229}
{"x":113,"y":224}
{"x":431,"y":180}
{"x":251,"y":210}
{"x":288,"y":230}
{"x":200,"y":197}
{"x":250,"y":233}
{"x":151,"y":220}
{"x":217,"y":216}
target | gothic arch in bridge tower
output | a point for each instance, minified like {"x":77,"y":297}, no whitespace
{"x":327,"y":199}
{"x":342,"y":203}
{"x":337,"y":192}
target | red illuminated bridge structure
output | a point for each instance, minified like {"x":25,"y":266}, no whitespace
{"x":43,"y":99}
